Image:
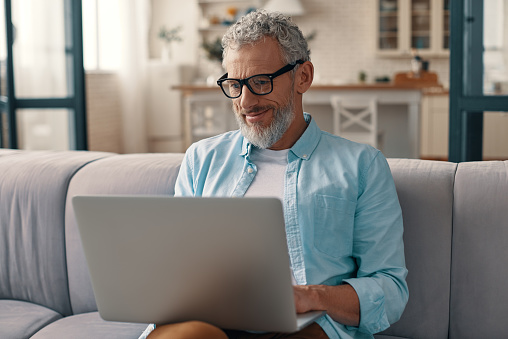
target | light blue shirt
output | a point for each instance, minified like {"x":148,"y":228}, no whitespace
{"x":343,"y":218}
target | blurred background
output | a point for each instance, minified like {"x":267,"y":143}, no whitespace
{"x":150,"y":69}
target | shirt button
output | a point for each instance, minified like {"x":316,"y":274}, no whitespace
{"x":305,"y":156}
{"x":250,"y":170}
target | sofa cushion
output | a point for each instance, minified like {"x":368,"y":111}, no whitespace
{"x":21,"y":319}
{"x":479,"y":299}
{"x":8,"y":151}
{"x":149,"y":174}
{"x":33,"y":189}
{"x":89,"y":325}
{"x":425,"y":190}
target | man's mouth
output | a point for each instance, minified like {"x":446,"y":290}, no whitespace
{"x":255,"y":116}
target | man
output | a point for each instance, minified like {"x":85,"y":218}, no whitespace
{"x":343,"y":219}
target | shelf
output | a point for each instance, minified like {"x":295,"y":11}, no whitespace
{"x":389,"y":13}
{"x":216,"y":16}
{"x":214,"y":2}
{"x":420,"y":12}
{"x":214,"y":28}
{"x":425,"y":33}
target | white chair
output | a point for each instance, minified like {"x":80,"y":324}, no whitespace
{"x":355,"y":118}
{"x":206,"y":116}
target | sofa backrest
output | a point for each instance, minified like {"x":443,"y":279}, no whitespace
{"x":33,"y":189}
{"x":146,"y":174}
{"x":479,"y":277}
{"x":425,"y":190}
{"x":455,"y":234}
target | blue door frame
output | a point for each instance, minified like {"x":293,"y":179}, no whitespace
{"x":467,"y":102}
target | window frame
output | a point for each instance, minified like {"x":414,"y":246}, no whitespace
{"x":75,"y":103}
{"x":467,"y":101}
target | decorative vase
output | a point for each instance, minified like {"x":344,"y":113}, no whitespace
{"x":166,"y":52}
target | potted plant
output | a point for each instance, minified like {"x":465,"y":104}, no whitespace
{"x":168,"y":36}
{"x":213,"y":50}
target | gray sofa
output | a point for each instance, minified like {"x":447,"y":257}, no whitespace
{"x":456,"y":237}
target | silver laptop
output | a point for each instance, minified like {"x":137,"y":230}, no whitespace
{"x":158,"y":259}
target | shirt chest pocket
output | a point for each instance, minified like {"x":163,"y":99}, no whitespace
{"x":333,"y":225}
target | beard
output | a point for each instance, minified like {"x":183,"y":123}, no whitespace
{"x":264,"y":137}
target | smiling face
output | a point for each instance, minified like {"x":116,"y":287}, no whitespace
{"x":274,"y":120}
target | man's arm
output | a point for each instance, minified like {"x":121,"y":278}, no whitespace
{"x":340,"y":302}
{"x":377,"y":295}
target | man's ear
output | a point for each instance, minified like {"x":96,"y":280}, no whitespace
{"x":304,"y":77}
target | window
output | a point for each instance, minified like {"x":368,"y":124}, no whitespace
{"x":101,"y":34}
{"x":42,"y":80}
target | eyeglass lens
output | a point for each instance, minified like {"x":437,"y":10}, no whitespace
{"x":260,"y":84}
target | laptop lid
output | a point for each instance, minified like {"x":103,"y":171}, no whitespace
{"x":159,"y":259}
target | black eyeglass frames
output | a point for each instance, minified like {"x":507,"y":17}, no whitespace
{"x":260,"y":84}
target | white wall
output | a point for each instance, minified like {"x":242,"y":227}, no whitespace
{"x":346,"y":41}
{"x":344,"y":45}
{"x":171,"y":14}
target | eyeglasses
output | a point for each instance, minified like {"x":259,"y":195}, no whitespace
{"x":260,"y":84}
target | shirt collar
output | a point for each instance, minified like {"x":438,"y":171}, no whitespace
{"x":246,"y":147}
{"x":303,"y":148}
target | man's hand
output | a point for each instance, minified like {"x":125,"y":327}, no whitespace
{"x":306,"y":299}
{"x":340,"y":302}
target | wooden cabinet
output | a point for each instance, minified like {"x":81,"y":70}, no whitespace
{"x":403,"y":25}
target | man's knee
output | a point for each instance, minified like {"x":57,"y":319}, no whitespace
{"x":187,"y":330}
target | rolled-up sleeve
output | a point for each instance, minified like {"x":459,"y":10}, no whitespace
{"x":378,"y":249}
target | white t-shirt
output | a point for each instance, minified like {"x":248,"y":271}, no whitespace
{"x":271,"y":172}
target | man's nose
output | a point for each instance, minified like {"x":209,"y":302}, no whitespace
{"x":248,"y":99}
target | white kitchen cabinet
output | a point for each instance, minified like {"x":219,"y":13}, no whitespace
{"x":434,"y":130}
{"x":434,"y":122}
{"x":403,"y":25}
{"x":495,"y":136}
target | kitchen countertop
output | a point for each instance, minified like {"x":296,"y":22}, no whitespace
{"x":432,"y":90}
{"x":399,"y":105}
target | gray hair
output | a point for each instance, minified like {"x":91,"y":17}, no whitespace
{"x":259,"y":24}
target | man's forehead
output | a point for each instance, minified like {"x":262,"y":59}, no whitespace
{"x":263,"y":54}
